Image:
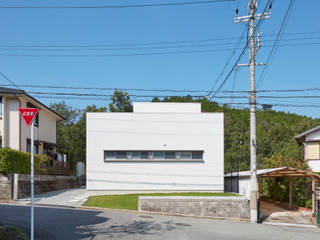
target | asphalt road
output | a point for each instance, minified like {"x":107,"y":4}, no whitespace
{"x":69,"y":224}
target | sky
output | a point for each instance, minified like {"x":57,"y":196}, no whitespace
{"x":293,"y":67}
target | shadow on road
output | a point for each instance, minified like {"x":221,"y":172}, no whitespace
{"x":64,"y":223}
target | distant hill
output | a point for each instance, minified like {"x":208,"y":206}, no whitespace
{"x":275,"y":133}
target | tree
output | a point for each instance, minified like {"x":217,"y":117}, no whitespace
{"x":71,"y":132}
{"x":120,"y":102}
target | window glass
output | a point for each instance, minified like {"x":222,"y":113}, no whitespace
{"x":313,"y":150}
{"x":197,"y":155}
{"x":158,"y":155}
{"x":36,"y":119}
{"x":170,"y":155}
{"x":121,"y":155}
{"x":109,"y":155}
{"x":0,"y":106}
{"x":186,"y":155}
{"x":144,"y":155}
{"x":135,"y":155}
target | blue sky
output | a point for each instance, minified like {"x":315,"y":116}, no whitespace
{"x":293,"y":67}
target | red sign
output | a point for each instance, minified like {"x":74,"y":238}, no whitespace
{"x":28,"y":114}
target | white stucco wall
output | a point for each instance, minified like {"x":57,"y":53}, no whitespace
{"x":244,"y":187}
{"x":314,"y":165}
{"x":12,"y":123}
{"x":155,"y":131}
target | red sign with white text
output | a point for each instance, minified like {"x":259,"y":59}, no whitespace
{"x":28,"y":114}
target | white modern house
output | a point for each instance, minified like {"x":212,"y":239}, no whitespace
{"x":15,"y":134}
{"x":157,"y":147}
{"x":310,"y":142}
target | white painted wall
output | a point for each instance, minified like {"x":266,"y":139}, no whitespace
{"x":314,"y":165}
{"x":166,"y":107}
{"x":155,"y":131}
{"x":244,"y":187}
{"x":12,"y":124}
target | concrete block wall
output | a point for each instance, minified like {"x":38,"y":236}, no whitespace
{"x":5,"y":187}
{"x":212,"y":207}
{"x":42,"y":184}
{"x":46,"y":183}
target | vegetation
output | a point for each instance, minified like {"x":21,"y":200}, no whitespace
{"x":276,"y":146}
{"x":130,"y":201}
{"x":11,"y":233}
{"x":12,"y":161}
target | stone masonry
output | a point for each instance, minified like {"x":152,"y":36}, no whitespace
{"x":5,"y":187}
{"x":42,"y":184}
{"x":212,"y":207}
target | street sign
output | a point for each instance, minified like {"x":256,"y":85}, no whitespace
{"x":28,"y":114}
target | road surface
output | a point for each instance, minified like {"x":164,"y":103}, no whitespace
{"x":67,"y":223}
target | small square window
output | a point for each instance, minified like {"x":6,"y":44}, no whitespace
{"x":185,"y":155}
{"x":158,"y":155}
{"x":135,"y":155}
{"x":197,"y":155}
{"x":108,"y":155}
{"x":121,"y":155}
{"x":170,"y":155}
{"x":144,"y":155}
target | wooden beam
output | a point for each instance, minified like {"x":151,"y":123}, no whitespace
{"x":290,"y":192}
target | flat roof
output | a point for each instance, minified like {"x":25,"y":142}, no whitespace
{"x":166,"y":107}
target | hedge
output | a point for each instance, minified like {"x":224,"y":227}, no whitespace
{"x":13,"y":161}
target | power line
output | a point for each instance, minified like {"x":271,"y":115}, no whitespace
{"x":242,"y":52}
{"x":149,"y":43}
{"x":147,"y":48}
{"x":276,"y":42}
{"x":120,"y":6}
{"x":154,"y":90}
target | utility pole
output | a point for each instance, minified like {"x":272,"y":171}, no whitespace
{"x":254,"y":46}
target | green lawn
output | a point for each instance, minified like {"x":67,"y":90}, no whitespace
{"x":130,"y":201}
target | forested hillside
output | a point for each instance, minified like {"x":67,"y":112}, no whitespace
{"x":275,"y":132}
{"x":276,"y":145}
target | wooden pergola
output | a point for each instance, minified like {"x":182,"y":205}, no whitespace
{"x":290,"y":173}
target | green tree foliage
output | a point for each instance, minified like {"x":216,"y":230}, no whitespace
{"x":275,"y":135}
{"x":120,"y":102}
{"x":71,"y":132}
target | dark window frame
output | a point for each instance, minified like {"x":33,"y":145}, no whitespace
{"x":36,"y":119}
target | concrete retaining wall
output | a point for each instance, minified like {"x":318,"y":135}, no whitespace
{"x":212,"y":207}
{"x":17,"y":186}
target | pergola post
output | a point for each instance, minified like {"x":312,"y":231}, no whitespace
{"x":314,"y":197}
{"x":290,"y":192}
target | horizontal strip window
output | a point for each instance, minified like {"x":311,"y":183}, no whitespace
{"x":153,"y":156}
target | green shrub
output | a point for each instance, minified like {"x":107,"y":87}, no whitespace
{"x":13,"y":161}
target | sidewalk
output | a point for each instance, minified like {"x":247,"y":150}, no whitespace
{"x":73,"y":197}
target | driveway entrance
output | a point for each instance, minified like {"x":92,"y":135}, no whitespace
{"x":274,"y":213}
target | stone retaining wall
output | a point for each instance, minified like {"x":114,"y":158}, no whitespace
{"x":212,"y":207}
{"x":5,"y":187}
{"x":17,"y":186}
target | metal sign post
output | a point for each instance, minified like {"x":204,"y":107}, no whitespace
{"x":28,"y":114}
{"x":32,"y":181}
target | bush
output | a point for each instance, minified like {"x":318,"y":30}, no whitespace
{"x":13,"y":161}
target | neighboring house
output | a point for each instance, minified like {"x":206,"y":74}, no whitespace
{"x":15,"y":134}
{"x":159,"y":146}
{"x":310,"y":142}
